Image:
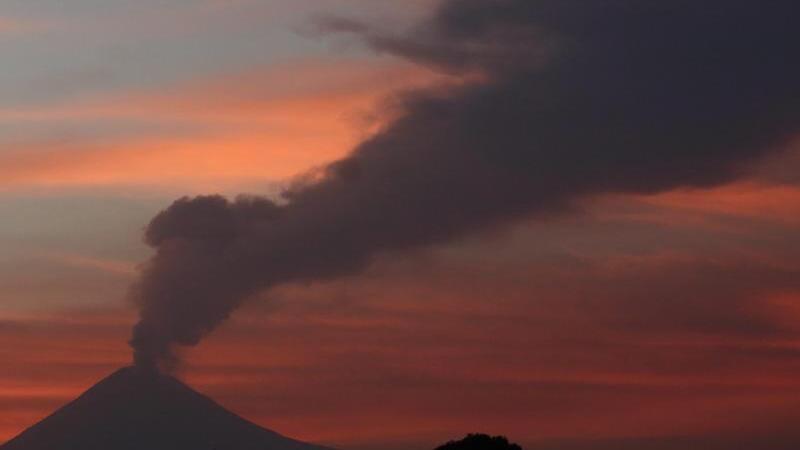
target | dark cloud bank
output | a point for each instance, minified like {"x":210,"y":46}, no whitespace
{"x":570,"y":99}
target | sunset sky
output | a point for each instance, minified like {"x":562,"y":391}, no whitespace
{"x":657,"y":318}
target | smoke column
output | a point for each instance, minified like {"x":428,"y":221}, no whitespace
{"x":572,"y":99}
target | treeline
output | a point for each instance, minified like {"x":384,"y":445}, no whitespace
{"x":480,"y":442}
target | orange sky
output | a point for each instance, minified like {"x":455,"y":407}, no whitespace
{"x":310,"y":112}
{"x":403,"y":355}
{"x":638,"y":316}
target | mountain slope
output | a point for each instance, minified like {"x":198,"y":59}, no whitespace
{"x":135,"y":409}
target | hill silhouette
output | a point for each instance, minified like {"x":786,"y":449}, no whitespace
{"x":136,"y":409}
{"x":480,"y":442}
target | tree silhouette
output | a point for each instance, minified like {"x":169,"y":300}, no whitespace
{"x":480,"y":442}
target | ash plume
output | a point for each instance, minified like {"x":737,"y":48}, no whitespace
{"x":573,"y":99}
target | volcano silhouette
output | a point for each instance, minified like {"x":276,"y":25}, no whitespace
{"x":136,"y":409}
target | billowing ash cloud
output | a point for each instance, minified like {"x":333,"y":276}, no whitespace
{"x":571,"y":99}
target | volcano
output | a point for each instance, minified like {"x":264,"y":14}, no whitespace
{"x":138,"y":409}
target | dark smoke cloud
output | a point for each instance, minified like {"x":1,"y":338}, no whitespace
{"x":573,"y":99}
